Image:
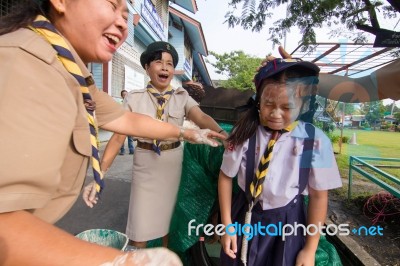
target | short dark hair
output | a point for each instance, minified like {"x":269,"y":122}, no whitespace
{"x":22,"y":13}
{"x":158,"y":47}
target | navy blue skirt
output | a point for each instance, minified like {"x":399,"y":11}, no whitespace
{"x":269,"y":250}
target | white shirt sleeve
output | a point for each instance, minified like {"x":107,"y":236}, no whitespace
{"x":232,"y":159}
{"x":324,"y":173}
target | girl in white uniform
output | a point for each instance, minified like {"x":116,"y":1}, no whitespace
{"x":278,"y":158}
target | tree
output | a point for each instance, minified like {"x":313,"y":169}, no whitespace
{"x":238,"y":67}
{"x":349,"y":108}
{"x":358,"y":15}
{"x":391,"y":108}
{"x":397,"y":116}
{"x":373,"y":112}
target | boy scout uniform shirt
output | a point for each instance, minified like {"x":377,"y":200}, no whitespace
{"x":44,"y":131}
{"x":176,"y":109}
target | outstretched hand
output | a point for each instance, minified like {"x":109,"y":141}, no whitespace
{"x":203,"y":136}
{"x":148,"y":256}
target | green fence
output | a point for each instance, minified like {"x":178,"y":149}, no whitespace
{"x":357,"y":162}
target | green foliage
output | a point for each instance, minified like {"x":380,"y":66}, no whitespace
{"x":349,"y":108}
{"x":308,"y":15}
{"x":388,"y":108}
{"x":238,"y":66}
{"x":397,"y":116}
{"x":345,"y":139}
{"x":385,"y":126}
{"x":374,"y":112}
{"x":333,"y":137}
{"x":327,"y":127}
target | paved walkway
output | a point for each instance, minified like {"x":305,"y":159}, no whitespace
{"x":112,"y":209}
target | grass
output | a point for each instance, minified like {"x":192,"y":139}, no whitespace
{"x":381,"y":144}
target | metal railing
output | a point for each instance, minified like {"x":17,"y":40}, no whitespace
{"x":361,"y":161}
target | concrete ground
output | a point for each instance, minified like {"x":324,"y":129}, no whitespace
{"x":112,"y":209}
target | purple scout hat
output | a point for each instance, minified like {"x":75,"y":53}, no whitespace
{"x":278,"y":65}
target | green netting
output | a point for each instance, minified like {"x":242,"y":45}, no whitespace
{"x":326,"y":254}
{"x":197,"y":196}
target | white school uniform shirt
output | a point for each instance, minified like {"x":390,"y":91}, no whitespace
{"x":282,"y":179}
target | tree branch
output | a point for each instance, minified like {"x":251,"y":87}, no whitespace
{"x":367,"y":28}
{"x":372,"y":14}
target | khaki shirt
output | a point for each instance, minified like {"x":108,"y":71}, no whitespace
{"x":44,"y":132}
{"x":176,"y":109}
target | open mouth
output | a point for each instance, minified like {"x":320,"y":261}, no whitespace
{"x":112,"y":39}
{"x":163,"y":76}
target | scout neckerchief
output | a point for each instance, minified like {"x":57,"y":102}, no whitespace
{"x":162,"y":100}
{"x":43,"y":27}
{"x":256,"y":187}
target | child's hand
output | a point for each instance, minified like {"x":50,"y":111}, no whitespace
{"x":89,"y":194}
{"x":229,"y":245}
{"x":305,"y":258}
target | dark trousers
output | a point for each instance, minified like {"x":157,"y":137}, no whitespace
{"x":130,"y":146}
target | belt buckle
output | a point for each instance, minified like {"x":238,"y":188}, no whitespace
{"x":165,"y":146}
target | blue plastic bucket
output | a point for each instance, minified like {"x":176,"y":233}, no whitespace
{"x":105,"y":237}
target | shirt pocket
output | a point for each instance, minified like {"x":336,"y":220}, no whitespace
{"x":81,"y":141}
{"x":297,"y":150}
{"x":176,"y":116}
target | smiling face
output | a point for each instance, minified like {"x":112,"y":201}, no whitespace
{"x":161,"y":71}
{"x":95,"y":28}
{"x":280,"y":104}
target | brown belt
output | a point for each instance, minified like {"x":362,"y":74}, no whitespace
{"x":163,"y":147}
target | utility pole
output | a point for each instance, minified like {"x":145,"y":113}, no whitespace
{"x":393,"y":104}
{"x":341,"y":128}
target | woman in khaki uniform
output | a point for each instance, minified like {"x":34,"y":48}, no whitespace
{"x":44,"y":129}
{"x":156,"y":170}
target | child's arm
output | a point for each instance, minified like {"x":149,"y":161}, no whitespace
{"x":113,"y":146}
{"x":225,"y":200}
{"x":111,"y":150}
{"x":317,"y":210}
